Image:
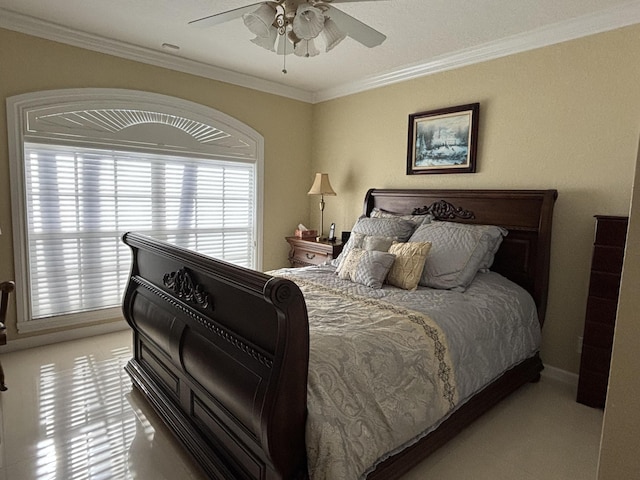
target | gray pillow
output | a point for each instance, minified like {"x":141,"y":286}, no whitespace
{"x":394,"y":228}
{"x":417,"y":219}
{"x":458,"y":252}
{"x":367,"y":267}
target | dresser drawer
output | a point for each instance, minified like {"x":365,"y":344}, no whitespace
{"x":595,"y":359}
{"x":601,"y":310}
{"x":607,"y":259}
{"x":611,"y":231}
{"x":599,"y":335}
{"x":604,"y":285}
{"x":592,"y":389}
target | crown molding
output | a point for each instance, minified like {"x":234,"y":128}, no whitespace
{"x":57,"y":33}
{"x":611,"y":19}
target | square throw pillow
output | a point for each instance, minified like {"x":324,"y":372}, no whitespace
{"x":458,"y":252}
{"x":408,"y":265}
{"x":367,"y":267}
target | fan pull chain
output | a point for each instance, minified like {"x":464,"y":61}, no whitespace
{"x":284,"y":57}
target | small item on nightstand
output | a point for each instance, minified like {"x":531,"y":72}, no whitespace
{"x":332,"y":233}
{"x":304,"y":232}
{"x":345,"y":236}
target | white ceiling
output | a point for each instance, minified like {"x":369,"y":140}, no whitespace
{"x":423,"y":36}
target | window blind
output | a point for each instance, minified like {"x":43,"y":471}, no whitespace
{"x":81,"y":200}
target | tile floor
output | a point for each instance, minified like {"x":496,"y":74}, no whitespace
{"x":70,"y":414}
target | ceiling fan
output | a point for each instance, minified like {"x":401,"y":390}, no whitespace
{"x":296,"y":24}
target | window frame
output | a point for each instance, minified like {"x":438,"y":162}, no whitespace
{"x":29,"y":117}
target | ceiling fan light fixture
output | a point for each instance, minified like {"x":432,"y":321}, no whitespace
{"x":308,"y":22}
{"x":260,"y":22}
{"x":332,"y":34}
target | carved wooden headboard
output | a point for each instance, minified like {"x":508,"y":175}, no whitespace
{"x":524,"y":254}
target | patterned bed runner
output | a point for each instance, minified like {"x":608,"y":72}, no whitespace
{"x":379,"y":376}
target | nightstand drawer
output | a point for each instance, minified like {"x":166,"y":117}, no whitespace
{"x":306,"y":257}
{"x":311,"y":252}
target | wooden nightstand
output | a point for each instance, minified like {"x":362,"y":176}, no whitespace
{"x":311,"y":252}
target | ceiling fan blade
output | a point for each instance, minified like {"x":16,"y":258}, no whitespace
{"x":219,"y":18}
{"x":353,"y":27}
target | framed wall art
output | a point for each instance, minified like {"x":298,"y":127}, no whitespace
{"x":444,"y":140}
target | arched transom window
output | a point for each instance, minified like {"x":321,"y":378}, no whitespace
{"x":88,"y":165}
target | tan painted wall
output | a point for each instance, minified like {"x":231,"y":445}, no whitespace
{"x":619,"y":450}
{"x":30,"y":64}
{"x":564,"y":117}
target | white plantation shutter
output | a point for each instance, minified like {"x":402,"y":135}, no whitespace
{"x":83,"y":177}
{"x":80,"y":201}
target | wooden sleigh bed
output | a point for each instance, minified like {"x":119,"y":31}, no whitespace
{"x":222,"y":352}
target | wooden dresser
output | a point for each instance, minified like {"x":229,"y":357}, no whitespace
{"x":311,"y":252}
{"x":602,"y":304}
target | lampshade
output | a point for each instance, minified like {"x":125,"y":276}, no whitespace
{"x":321,"y":185}
{"x":332,"y":34}
{"x":261,"y":21}
{"x":308,"y":22}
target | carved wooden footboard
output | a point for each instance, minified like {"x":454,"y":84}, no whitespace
{"x":222,"y":353}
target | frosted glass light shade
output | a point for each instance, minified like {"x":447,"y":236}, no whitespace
{"x":268,"y":42}
{"x":260,"y":22}
{"x":308,"y":22}
{"x":306,"y":48}
{"x":285,"y":45}
{"x":332,"y":34}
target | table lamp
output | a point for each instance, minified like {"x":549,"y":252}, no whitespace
{"x":322,"y":187}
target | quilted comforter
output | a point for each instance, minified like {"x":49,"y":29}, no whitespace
{"x":387,"y":366}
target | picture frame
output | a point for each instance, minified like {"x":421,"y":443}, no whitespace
{"x":443,"y":140}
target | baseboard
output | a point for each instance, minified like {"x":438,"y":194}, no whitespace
{"x":560,"y":375}
{"x":63,"y":336}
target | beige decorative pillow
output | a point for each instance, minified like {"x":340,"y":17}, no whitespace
{"x":408,"y":265}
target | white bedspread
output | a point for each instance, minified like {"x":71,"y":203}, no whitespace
{"x":386,"y":366}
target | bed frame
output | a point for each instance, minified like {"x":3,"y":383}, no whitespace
{"x":222,"y":352}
